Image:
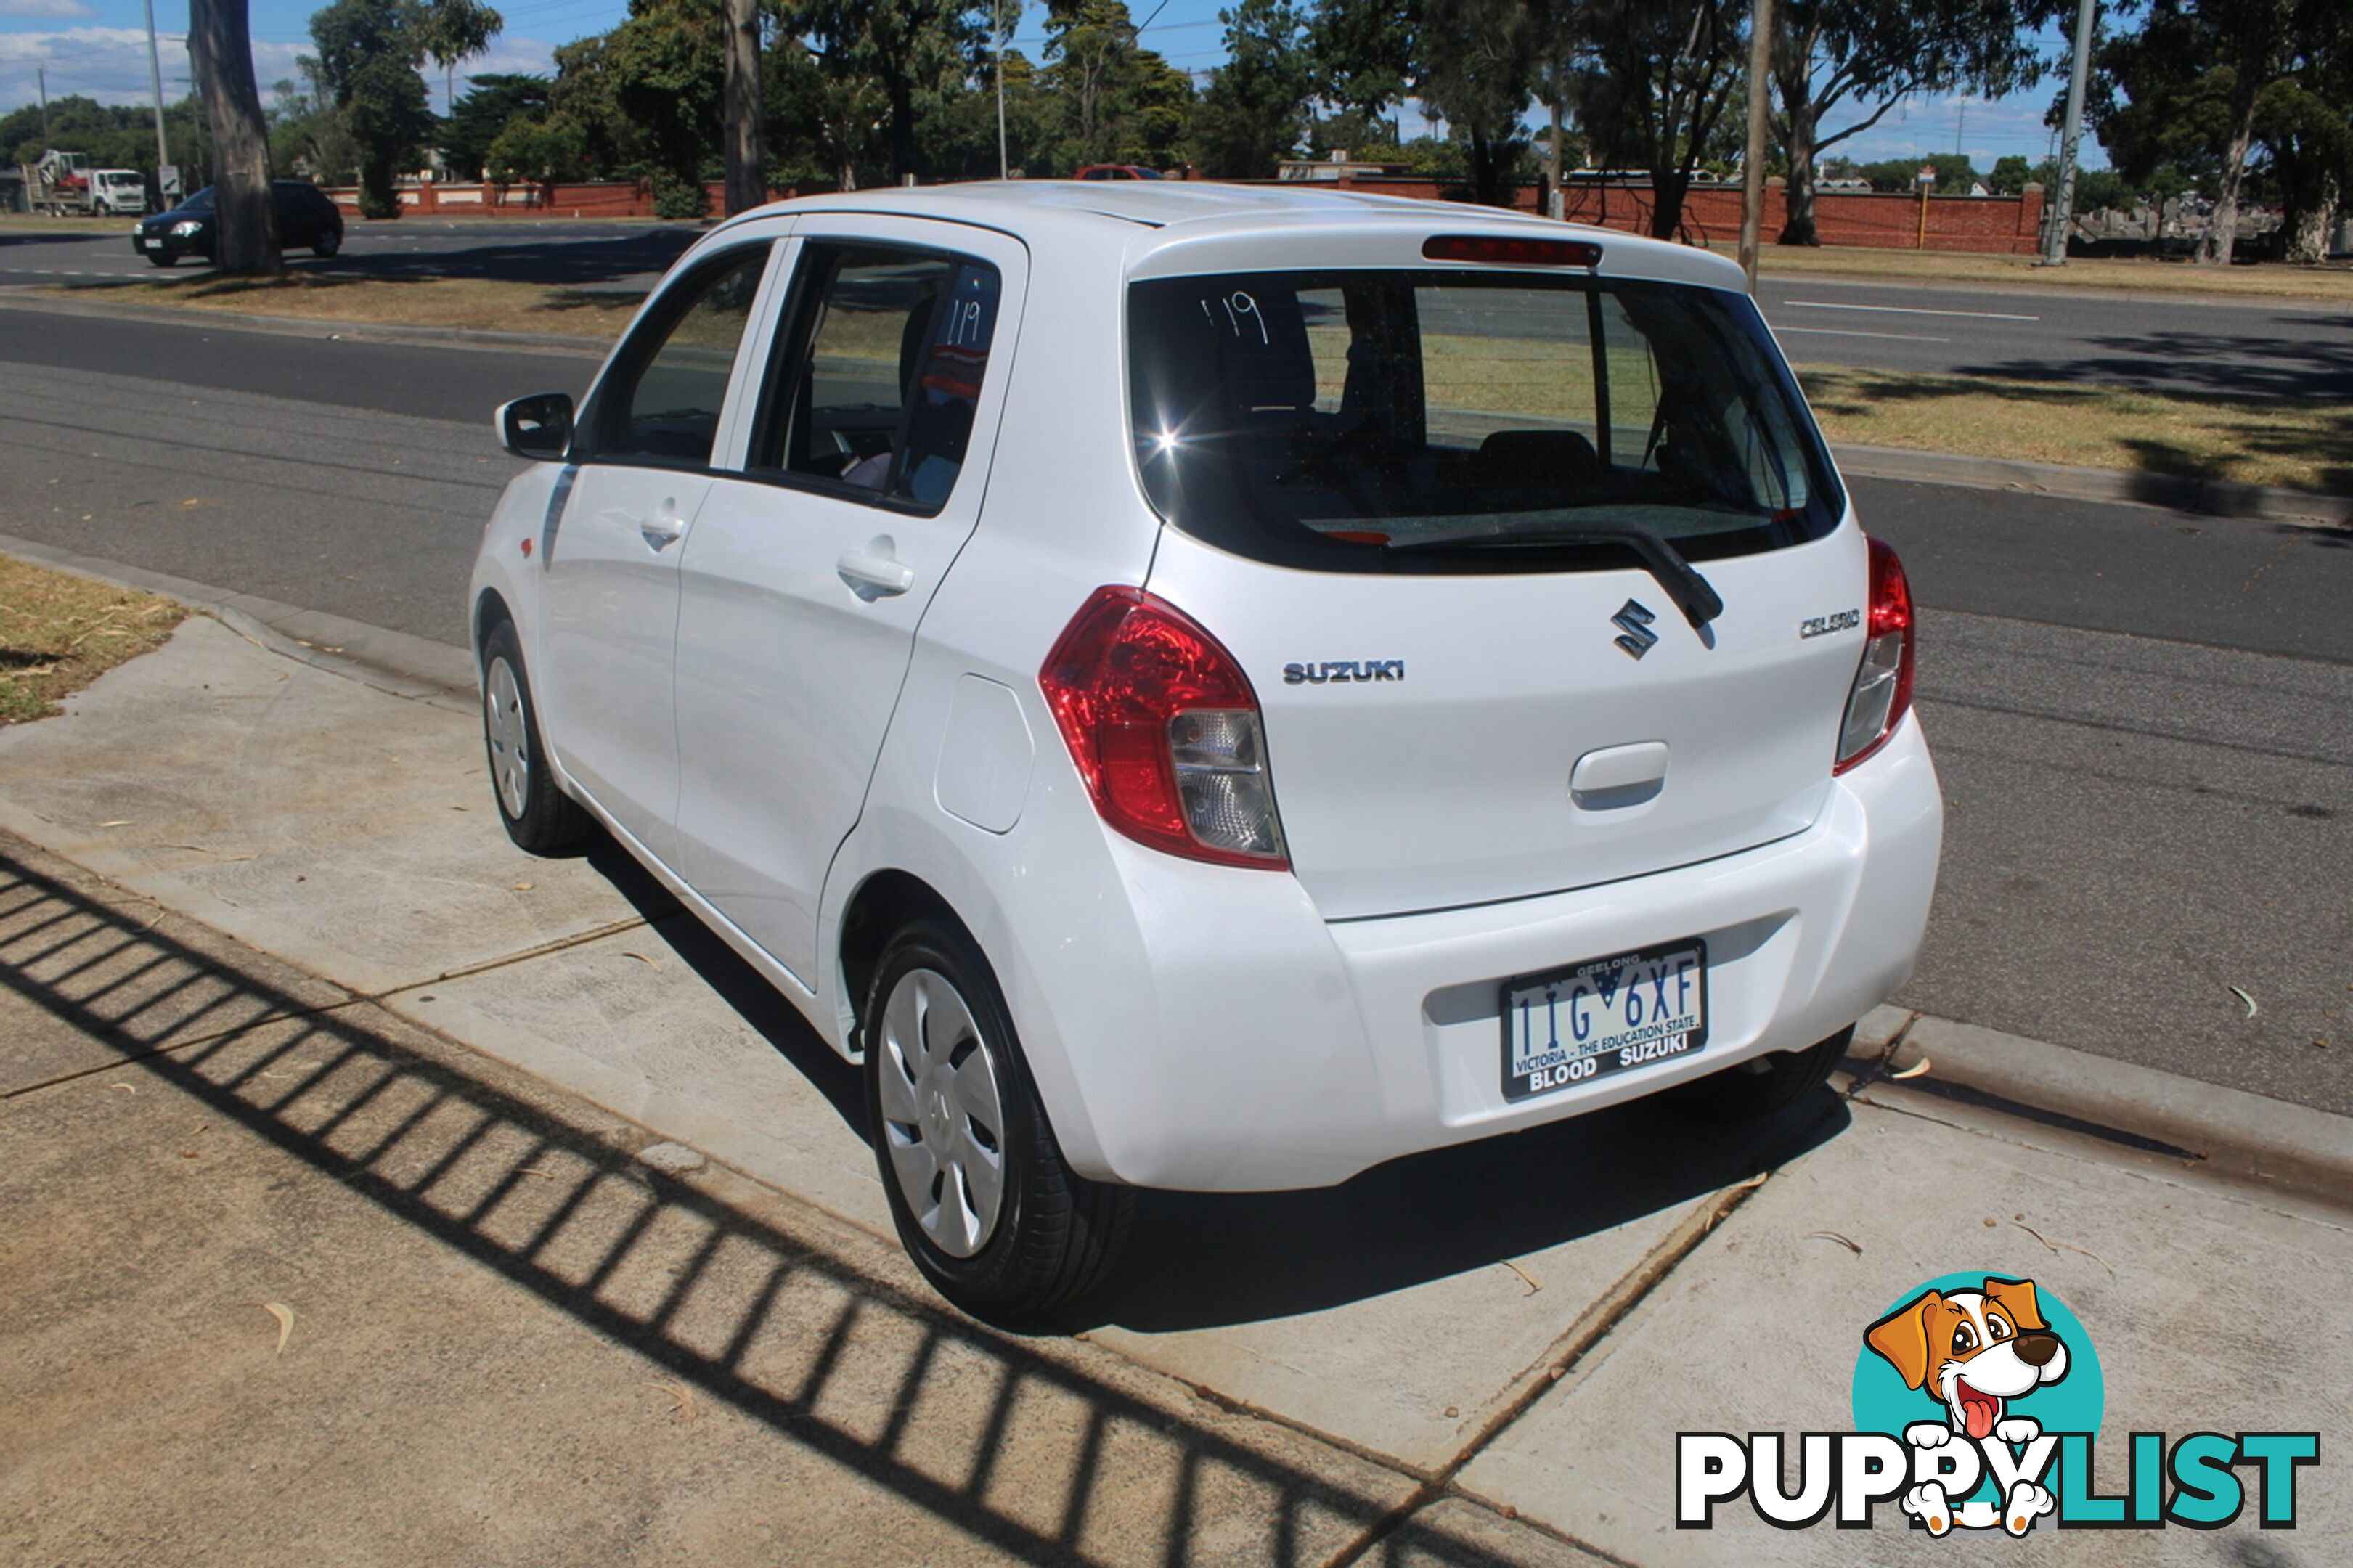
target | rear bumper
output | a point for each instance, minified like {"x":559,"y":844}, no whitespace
{"x":1264,"y":1048}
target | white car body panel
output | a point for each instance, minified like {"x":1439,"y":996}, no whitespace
{"x":1189,"y":1025}
{"x":785,"y":674}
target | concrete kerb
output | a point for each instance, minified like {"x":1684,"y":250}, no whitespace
{"x":2173,"y":493}
{"x":2227,"y":1133}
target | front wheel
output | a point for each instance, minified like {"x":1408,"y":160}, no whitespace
{"x":162,"y":258}
{"x":329,"y":241}
{"x":983,"y":1200}
{"x":1762,"y":1085}
{"x":539,"y":815}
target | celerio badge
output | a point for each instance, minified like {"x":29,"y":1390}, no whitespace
{"x":1634,"y":622}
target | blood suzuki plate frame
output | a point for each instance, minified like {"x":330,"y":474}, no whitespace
{"x":1604,"y":1015}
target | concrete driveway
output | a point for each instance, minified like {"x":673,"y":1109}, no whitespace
{"x":419,"y":1112}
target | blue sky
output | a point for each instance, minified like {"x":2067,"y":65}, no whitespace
{"x":99,"y":48}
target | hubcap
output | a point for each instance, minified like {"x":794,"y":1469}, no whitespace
{"x":941,"y":1117}
{"x":508,"y":737}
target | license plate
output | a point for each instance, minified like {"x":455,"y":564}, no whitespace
{"x":1572,"y":1025}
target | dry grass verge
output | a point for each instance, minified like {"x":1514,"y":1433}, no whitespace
{"x":480,"y":304}
{"x":59,"y":633}
{"x":2301,"y":444}
{"x":2270,"y":281}
{"x":21,"y":225}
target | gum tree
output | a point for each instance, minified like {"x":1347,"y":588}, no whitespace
{"x":220,"y":46}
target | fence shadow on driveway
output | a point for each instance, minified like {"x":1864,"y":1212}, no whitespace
{"x":1199,"y":1260}
{"x":1019,"y":1448}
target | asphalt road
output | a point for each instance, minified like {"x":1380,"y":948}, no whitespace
{"x":2143,"y":720}
{"x":575,"y":252}
{"x":2175,"y":343}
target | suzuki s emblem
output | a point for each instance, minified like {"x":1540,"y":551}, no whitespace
{"x":1634,"y":621}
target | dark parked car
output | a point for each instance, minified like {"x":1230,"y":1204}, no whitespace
{"x":307,"y":216}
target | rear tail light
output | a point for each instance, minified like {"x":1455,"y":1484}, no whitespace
{"x":1165,"y":729}
{"x":1882,"y":694}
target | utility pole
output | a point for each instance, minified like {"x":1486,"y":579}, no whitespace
{"x":43,"y":72}
{"x":1004,"y":168}
{"x":1760,"y":101}
{"x":155,"y":84}
{"x":2062,"y":215}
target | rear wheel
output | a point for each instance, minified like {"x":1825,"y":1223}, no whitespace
{"x":1764,"y":1085}
{"x":982,"y":1197}
{"x":538,"y":815}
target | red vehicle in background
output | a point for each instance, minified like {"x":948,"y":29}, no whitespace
{"x":1115,"y":171}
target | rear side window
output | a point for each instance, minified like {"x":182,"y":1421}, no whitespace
{"x":876,"y":379}
{"x":1437,"y":420}
{"x":664,"y":405}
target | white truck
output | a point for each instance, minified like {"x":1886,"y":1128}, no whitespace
{"x":62,"y":184}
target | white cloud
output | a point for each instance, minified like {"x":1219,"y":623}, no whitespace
{"x":109,"y":64}
{"x":46,"y":10}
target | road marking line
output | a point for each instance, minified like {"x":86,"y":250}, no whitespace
{"x":1909,"y":311}
{"x":1892,"y":337}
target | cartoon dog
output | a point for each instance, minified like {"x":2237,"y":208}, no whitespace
{"x":1976,"y":1351}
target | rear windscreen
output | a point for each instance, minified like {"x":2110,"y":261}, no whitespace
{"x":1384,"y":419}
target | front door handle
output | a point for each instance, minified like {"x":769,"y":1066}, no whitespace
{"x":875,"y":571}
{"x":662,"y":529}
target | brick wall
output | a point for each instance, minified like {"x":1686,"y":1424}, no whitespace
{"x":587,"y":198}
{"x":1711,"y":216}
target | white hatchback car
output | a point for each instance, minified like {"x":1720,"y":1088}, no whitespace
{"x":1214,"y":689}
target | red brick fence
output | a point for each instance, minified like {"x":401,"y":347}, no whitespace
{"x":585,"y":198}
{"x":2004,"y":225}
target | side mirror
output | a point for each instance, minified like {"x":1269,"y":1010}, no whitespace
{"x":538,"y":428}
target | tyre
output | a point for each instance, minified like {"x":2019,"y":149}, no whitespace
{"x":539,"y":816}
{"x":982,"y":1199}
{"x":329,"y":241}
{"x":162,"y":258}
{"x":1762,"y":1085}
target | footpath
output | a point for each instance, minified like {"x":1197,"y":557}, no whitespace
{"x":538,"y":1154}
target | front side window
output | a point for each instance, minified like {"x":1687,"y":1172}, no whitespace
{"x":876,"y":377}
{"x":664,"y":407}
{"x":1435,"y":420}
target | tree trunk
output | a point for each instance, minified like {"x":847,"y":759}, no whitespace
{"x":2307,"y":240}
{"x":220,"y":46}
{"x":903,"y":154}
{"x":2222,"y":229}
{"x":1797,"y":148}
{"x":1667,"y":188}
{"x":747,"y":174}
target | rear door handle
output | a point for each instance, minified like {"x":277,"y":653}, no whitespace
{"x":875,"y":571}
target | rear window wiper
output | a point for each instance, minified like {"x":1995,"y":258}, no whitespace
{"x":1692,"y":593}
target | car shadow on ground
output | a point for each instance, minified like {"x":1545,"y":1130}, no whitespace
{"x":758,"y":1305}
{"x":1201,"y":1260}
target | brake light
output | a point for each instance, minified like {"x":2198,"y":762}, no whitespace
{"x":1882,"y":693}
{"x":1165,"y":729}
{"x":1512,"y":252}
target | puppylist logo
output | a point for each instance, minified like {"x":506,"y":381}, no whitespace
{"x":1977,"y":1403}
